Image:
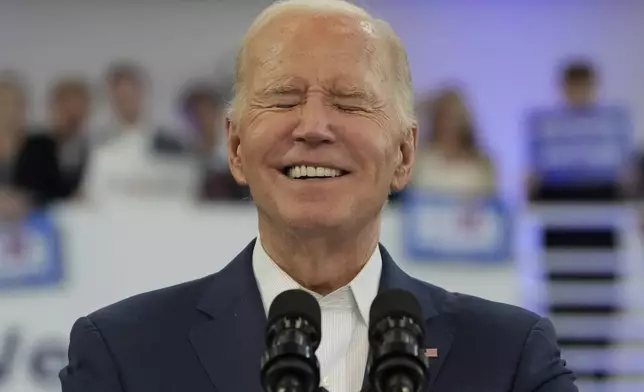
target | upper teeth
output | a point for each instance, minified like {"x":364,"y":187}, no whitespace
{"x":312,"y":171}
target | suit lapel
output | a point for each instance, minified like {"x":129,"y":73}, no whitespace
{"x":438,"y":340}
{"x":438,"y":337}
{"x":231,"y":344}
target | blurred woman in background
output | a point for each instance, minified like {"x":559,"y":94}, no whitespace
{"x":449,"y":159}
{"x":29,"y":174}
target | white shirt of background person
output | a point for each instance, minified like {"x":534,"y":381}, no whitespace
{"x":123,"y":167}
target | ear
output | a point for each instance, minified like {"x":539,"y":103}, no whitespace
{"x":235,"y":152}
{"x":406,"y":154}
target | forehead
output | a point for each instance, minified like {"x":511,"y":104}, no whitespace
{"x":321,"y":49}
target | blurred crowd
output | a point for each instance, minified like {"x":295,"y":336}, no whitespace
{"x":126,"y":154}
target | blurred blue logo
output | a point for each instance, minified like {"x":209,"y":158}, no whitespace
{"x":444,"y":228}
{"x":30,"y":253}
{"x":569,"y":146}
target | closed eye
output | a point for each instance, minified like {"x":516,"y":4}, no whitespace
{"x":346,"y":108}
{"x":285,"y":105}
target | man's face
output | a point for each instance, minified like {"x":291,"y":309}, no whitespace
{"x":205,"y":115}
{"x":127,"y":98}
{"x":70,"y":112}
{"x":580,"y":93}
{"x":317,"y":106}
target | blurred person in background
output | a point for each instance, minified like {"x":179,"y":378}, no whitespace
{"x":128,"y":122}
{"x":133,"y":157}
{"x":578,"y":86}
{"x":450,"y":160}
{"x":204,"y":108}
{"x":29,"y":176}
{"x":69,"y":106}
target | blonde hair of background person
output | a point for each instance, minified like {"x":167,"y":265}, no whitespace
{"x":322,"y":90}
{"x":12,"y":103}
{"x":450,"y":158}
{"x":13,"y":203}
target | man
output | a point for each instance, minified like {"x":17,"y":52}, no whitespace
{"x":321,"y":128}
{"x":204,"y":110}
{"x":579,"y":84}
{"x":126,"y":88}
{"x":134,"y":159}
{"x":578,"y":87}
{"x":70,"y":101}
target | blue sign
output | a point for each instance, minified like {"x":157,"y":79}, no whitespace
{"x":574,"y":146}
{"x":30,"y":253}
{"x":444,"y":228}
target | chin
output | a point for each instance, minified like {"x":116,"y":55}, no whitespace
{"x":315,"y":218}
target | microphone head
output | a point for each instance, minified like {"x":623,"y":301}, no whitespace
{"x":296,"y":303}
{"x":395,"y":303}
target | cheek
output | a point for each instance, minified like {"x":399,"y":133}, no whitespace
{"x":376,"y":150}
{"x":265,"y":137}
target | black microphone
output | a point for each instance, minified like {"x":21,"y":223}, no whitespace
{"x":293,"y":333}
{"x":396,"y":331}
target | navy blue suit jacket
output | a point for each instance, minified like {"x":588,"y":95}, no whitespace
{"x":208,"y":336}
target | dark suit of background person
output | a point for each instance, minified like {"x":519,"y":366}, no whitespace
{"x":28,"y":164}
{"x":208,"y":335}
{"x":35,"y":171}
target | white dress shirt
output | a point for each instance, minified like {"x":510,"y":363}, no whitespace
{"x":125,"y":168}
{"x":345,"y":317}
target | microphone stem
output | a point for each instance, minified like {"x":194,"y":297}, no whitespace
{"x":290,"y":384}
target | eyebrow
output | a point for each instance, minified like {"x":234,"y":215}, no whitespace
{"x":290,"y":86}
{"x":355,"y":93}
{"x":281,"y":86}
{"x":280,"y":89}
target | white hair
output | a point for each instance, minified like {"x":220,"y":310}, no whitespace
{"x":395,"y":52}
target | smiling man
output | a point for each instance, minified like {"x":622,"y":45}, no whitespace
{"x":321,"y":129}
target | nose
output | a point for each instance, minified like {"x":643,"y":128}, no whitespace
{"x":314,"y":127}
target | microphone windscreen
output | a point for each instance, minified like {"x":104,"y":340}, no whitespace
{"x":395,"y":303}
{"x":296,"y":303}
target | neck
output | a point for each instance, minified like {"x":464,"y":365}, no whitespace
{"x":321,"y":263}
{"x":130,"y":121}
{"x":66,"y":133}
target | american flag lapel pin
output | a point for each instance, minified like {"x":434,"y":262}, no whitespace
{"x":431,"y":352}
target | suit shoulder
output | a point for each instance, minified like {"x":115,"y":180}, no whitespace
{"x":504,"y":316}
{"x":467,"y":310}
{"x":161,"y":305}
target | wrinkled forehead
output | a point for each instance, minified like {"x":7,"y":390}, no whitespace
{"x":322,"y":49}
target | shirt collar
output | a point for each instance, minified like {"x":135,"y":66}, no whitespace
{"x":272,"y":280}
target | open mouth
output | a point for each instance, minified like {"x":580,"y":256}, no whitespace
{"x":308,"y":172}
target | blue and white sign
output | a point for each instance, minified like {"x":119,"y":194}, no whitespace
{"x":574,"y":146}
{"x":30,"y":253}
{"x":444,"y":228}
